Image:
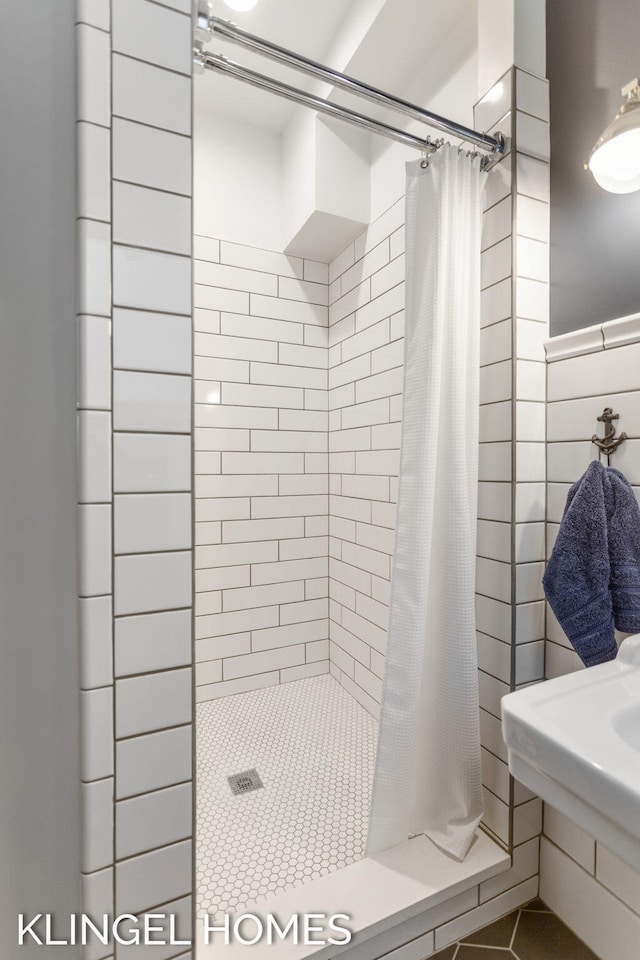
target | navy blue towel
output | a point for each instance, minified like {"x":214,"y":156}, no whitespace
{"x":592,"y":580}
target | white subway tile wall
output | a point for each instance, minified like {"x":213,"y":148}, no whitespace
{"x":134,"y":462}
{"x":261,"y":465}
{"x":588,"y":371}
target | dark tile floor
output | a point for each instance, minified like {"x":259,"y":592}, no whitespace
{"x":532,"y":933}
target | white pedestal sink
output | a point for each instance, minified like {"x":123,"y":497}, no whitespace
{"x":575,"y":741}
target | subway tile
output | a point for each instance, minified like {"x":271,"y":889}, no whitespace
{"x":387,"y":357}
{"x":532,"y":259}
{"x":532,"y":95}
{"x":494,"y":657}
{"x":209,"y":438}
{"x":149,"y":463}
{"x":309,"y":484}
{"x":533,"y":136}
{"x":150,"y":32}
{"x":495,"y":462}
{"x":94,"y":453}
{"x":151,"y":402}
{"x":304,"y":670}
{"x":154,"y":820}
{"x":560,"y":660}
{"x":94,"y":77}
{"x":388,"y":277}
{"x":530,"y":421}
{"x":149,"y":280}
{"x":244,"y":598}
{"x":151,"y":157}
{"x":94,"y":268}
{"x":208,"y":672}
{"x":288,"y":635}
{"x":305,"y":612}
{"x":222,"y":417}
{"x":277,"y":572}
{"x":496,"y":223}
{"x":491,"y":735}
{"x":94,"y":363}
{"x":533,"y":177}
{"x":346,"y":305}
{"x":230,"y":687}
{"x":530,"y":462}
{"x":253,"y":530}
{"x":152,"y":218}
{"x":355,"y":648}
{"x":237,"y":485}
{"x":148,"y":523}
{"x":303,"y":356}
{"x":312,"y":420}
{"x":94,"y":172}
{"x":316,"y":587}
{"x":530,"y":622}
{"x":96,"y":747}
{"x":493,"y":579}
{"x":495,"y":422}
{"x":263,"y":662}
{"x":153,"y":761}
{"x":303,"y":290}
{"x":494,"y":104}
{"x":527,"y":821}
{"x":316,"y":272}
{"x":364,"y":414}
{"x":235,"y":348}
{"x":495,"y":343}
{"x":495,"y":382}
{"x":533,"y":300}
{"x":340,"y":331}
{"x":379,"y":385}
{"x":250,"y":258}
{"x":288,"y":310}
{"x":494,"y":540}
{"x":151,"y":95}
{"x":533,"y":219}
{"x":383,"y":306}
{"x":530,"y":502}
{"x":616,"y":875}
{"x":151,"y":341}
{"x":490,"y":692}
{"x":529,"y":542}
{"x":234,"y":278}
{"x":219,"y":298}
{"x":158,"y":641}
{"x":288,"y":376}
{"x":496,"y":263}
{"x":262,"y":463}
{"x":269,"y":507}
{"x":531,"y":380}
{"x":97,"y":825}
{"x":238,"y":621}
{"x":152,"y":582}
{"x":148,"y":703}
{"x":154,"y":878}
{"x":236,"y":554}
{"x":96,"y":659}
{"x":210,"y":649}
{"x":97,"y":900}
{"x":494,"y":618}
{"x":94,"y":550}
{"x":494,"y":501}
{"x":206,"y":248}
{"x":261,"y":395}
{"x":530,"y":662}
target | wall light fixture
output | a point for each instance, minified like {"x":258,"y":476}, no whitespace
{"x":615,"y":159}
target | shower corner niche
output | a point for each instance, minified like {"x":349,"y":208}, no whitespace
{"x":327,"y":172}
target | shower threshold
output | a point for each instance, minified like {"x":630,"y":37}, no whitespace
{"x":414,"y":884}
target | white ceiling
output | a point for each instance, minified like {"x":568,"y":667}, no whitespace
{"x":306,"y":26}
{"x":384,"y":42}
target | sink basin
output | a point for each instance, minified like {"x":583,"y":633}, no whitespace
{"x":575,"y":741}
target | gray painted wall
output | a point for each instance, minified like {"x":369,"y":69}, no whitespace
{"x":39,"y":722}
{"x":593,"y":49}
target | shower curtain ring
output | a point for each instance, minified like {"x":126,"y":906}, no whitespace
{"x":424,"y":163}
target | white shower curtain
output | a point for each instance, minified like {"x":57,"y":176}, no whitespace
{"x":427,"y":777}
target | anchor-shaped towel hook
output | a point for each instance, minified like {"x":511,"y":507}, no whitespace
{"x":609,"y":443}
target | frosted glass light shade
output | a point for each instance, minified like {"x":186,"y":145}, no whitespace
{"x":241,"y":5}
{"x":615,"y":159}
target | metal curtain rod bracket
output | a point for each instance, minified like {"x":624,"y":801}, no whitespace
{"x":609,"y":443}
{"x":208,"y":25}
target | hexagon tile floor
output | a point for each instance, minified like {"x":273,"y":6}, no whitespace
{"x":532,"y":933}
{"x":313,"y":747}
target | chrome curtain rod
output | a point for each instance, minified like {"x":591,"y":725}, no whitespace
{"x":209,"y":25}
{"x":214,"y":61}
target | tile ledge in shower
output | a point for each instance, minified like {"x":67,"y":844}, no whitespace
{"x":601,"y":336}
{"x":378,"y":893}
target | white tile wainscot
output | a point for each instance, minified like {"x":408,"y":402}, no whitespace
{"x":589,"y":888}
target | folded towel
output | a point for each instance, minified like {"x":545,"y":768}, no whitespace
{"x":576,"y":581}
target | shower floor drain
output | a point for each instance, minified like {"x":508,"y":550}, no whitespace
{"x":245,"y":782}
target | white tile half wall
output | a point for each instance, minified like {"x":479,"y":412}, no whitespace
{"x":261,"y":465}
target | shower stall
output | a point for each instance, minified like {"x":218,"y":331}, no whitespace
{"x":299,"y":329}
